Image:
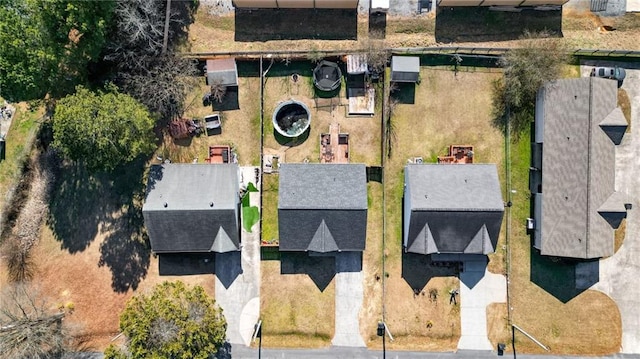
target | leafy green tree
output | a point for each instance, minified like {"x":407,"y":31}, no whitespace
{"x":45,"y":45}
{"x":538,"y":60}
{"x":103,"y":129}
{"x":172,"y":322}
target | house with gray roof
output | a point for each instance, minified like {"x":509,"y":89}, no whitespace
{"x":572,"y":177}
{"x":192,"y":208}
{"x":451,"y":208}
{"x":322,"y":207}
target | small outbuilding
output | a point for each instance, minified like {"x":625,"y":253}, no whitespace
{"x":192,"y":208}
{"x":222,"y":71}
{"x":322,"y":208}
{"x":405,"y":69}
{"x":452,"y":209}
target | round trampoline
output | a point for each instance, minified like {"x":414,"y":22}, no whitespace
{"x":291,"y":118}
{"x":326,"y":76}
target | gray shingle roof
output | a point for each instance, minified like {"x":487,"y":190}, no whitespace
{"x":322,"y":207}
{"x":405,"y":68}
{"x":452,"y":208}
{"x":578,"y":166}
{"x":223,"y":70}
{"x":192,"y":208}
{"x":456,"y":187}
{"x":322,"y":186}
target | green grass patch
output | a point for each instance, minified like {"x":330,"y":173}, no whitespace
{"x":250,"y":214}
{"x":270,"y":184}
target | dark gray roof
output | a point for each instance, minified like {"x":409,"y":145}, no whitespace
{"x":322,"y":186}
{"x":192,"y":208}
{"x":405,"y":68}
{"x":578,"y":165}
{"x":451,"y":208}
{"x":223,"y":70}
{"x":449,"y":187}
{"x":322,"y":207}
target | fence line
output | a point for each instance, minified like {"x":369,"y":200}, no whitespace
{"x":444,"y":50}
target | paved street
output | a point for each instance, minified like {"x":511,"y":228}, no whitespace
{"x":238,"y":277}
{"x":243,"y":352}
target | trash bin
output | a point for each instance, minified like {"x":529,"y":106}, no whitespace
{"x":501,"y":348}
{"x":2,"y":148}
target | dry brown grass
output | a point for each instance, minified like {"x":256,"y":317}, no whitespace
{"x":240,"y":128}
{"x":625,"y":105}
{"x":497,"y":324}
{"x":295,"y":312}
{"x":445,"y":112}
{"x":371,"y":311}
{"x":619,"y":235}
{"x":78,"y":279}
{"x":216,"y":33}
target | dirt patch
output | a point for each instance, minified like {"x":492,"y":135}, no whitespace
{"x":497,"y":324}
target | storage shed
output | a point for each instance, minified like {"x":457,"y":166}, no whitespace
{"x":405,"y":69}
{"x":223,"y":71}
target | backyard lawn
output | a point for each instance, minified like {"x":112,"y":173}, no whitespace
{"x":240,"y":127}
{"x":445,"y":112}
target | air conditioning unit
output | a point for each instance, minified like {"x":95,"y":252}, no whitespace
{"x":418,"y":160}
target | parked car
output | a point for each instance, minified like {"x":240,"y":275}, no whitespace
{"x":614,"y":73}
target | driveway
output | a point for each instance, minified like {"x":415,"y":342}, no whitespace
{"x":238,"y":277}
{"x":349,"y":295}
{"x":478,"y":288}
{"x":620,"y":273}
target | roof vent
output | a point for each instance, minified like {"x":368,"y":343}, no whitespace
{"x":210,"y":204}
{"x":165,"y":205}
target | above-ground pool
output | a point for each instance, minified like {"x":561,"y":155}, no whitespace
{"x":291,"y":118}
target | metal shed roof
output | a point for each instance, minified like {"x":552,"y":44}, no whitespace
{"x":405,"y":68}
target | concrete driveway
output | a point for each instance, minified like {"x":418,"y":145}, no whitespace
{"x":238,"y":277}
{"x":478,"y":288}
{"x":349,"y":295}
{"x":620,"y":273}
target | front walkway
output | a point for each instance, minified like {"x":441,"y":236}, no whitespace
{"x":238,"y":277}
{"x":478,"y":288}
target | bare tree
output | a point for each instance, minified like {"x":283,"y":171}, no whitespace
{"x":162,"y":84}
{"x":218,"y":90}
{"x":28,"y":328}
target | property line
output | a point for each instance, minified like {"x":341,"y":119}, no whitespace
{"x":384,"y":204}
{"x":507,"y":150}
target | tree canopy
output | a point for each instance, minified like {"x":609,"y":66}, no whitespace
{"x":174,"y":321}
{"x":103,"y":129}
{"x":45,"y":46}
{"x":526,"y":69}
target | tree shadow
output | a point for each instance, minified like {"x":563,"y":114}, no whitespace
{"x":321,"y":269}
{"x":182,"y":14}
{"x":125,"y":249}
{"x":79,"y":204}
{"x":418,"y":269}
{"x":295,"y":24}
{"x":563,"y":278}
{"x":224,"y":352}
{"x":479,"y":24}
